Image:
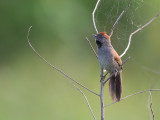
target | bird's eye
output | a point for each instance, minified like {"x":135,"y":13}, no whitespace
{"x":99,"y":44}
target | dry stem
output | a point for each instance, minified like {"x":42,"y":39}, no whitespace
{"x":102,"y":77}
{"x":101,"y":95}
{"x":150,"y":104}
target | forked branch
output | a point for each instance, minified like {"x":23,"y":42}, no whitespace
{"x":130,"y":37}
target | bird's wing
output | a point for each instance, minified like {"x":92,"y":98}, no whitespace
{"x":117,"y":57}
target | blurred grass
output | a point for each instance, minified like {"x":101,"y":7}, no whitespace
{"x":31,"y":90}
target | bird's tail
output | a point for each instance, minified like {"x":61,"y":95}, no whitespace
{"x":115,"y":86}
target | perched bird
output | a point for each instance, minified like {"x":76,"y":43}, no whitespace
{"x":110,"y":61}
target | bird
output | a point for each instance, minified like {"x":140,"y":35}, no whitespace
{"x":110,"y":61}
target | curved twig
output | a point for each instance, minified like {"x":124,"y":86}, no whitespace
{"x":56,"y":67}
{"x":139,"y":29}
{"x":93,"y":13}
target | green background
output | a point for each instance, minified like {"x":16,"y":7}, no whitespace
{"x":32,"y":90}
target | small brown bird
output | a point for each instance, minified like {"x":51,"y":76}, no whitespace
{"x":109,"y":60}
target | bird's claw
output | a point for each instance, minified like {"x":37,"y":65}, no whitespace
{"x":102,"y":78}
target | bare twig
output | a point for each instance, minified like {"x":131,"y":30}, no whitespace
{"x":116,"y":71}
{"x":119,"y":18}
{"x":133,"y":95}
{"x":150,"y":104}
{"x":86,"y":100}
{"x":93,"y":13}
{"x":56,"y":67}
{"x":139,"y":29}
{"x":91,"y":47}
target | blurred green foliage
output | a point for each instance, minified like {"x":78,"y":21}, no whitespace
{"x":31,"y":90}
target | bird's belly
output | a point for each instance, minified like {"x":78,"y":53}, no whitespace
{"x":107,"y":63}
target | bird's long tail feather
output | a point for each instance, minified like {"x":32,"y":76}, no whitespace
{"x":115,"y":86}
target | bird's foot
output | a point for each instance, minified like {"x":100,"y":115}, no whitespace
{"x":102,"y":78}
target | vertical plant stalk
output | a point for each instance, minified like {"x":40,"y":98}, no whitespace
{"x":101,"y":95}
{"x":102,"y":101}
{"x":150,"y":105}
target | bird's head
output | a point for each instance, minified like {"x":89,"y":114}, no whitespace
{"x":101,"y":39}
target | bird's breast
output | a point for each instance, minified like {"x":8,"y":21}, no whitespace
{"x":105,"y":59}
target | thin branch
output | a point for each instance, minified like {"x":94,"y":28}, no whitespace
{"x":92,"y":47}
{"x":120,"y":17}
{"x":150,"y":104}
{"x":93,"y":13}
{"x":86,"y":100}
{"x":133,"y":95}
{"x":116,"y":71}
{"x":56,"y":67}
{"x":139,"y":29}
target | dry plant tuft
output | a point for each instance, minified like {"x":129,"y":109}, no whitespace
{"x":103,"y":77}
